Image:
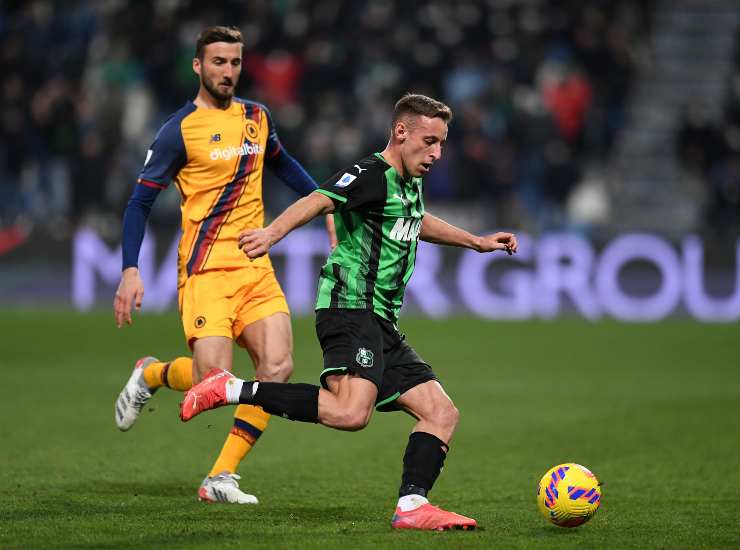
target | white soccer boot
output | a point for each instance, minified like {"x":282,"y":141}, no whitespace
{"x":224,"y":487}
{"x":133,"y":396}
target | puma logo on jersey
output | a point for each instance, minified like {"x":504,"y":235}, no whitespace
{"x":360,"y":170}
{"x":406,"y":229}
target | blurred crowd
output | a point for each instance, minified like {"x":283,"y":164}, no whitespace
{"x":538,"y":89}
{"x":710,"y":151}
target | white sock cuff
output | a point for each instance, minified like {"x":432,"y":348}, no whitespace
{"x":411,"y":502}
{"x":234,"y":390}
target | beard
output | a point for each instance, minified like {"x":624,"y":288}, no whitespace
{"x":217,"y":94}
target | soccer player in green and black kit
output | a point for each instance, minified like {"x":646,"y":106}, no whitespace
{"x":379,"y":216}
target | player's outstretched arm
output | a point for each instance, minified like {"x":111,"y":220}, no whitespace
{"x":295,"y":176}
{"x":130,"y":291}
{"x":438,"y":231}
{"x":256,"y":242}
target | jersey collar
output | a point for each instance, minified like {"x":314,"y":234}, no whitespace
{"x":408,"y":182}
{"x":234,"y":108}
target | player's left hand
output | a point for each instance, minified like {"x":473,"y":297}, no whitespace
{"x":332,"y":231}
{"x":255,"y":242}
{"x":498,"y":241}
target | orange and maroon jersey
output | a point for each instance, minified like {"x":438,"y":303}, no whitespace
{"x":216,"y":159}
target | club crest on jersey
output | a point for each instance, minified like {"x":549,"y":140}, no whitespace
{"x":406,"y":229}
{"x":200,"y":322}
{"x":345,"y":180}
{"x":364,"y":358}
{"x":252,"y":129}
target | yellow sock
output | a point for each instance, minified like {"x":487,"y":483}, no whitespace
{"x":176,"y":374}
{"x":249,"y":423}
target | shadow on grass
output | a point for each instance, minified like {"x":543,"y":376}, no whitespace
{"x":547,"y":531}
{"x":141,"y":488}
{"x":93,"y":498}
{"x":163,"y":500}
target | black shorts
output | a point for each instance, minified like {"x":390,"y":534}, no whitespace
{"x":359,"y":342}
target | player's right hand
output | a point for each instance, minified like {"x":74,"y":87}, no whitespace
{"x":255,"y":242}
{"x":130,"y":293}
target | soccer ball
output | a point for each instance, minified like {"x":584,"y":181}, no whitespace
{"x":568,"y":495}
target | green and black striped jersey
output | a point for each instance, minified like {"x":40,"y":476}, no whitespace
{"x":378,"y":219}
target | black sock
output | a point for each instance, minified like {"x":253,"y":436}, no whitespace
{"x":292,"y":401}
{"x":422,"y":463}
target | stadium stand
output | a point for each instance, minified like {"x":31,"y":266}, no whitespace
{"x":567,"y":117}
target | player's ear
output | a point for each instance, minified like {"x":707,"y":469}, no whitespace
{"x":196,"y":66}
{"x":400,"y":131}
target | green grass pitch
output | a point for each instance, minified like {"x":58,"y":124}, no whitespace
{"x":653,"y":410}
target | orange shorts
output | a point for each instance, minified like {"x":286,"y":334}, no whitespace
{"x":221,"y":302}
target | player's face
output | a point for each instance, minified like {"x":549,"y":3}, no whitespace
{"x":422,"y":139}
{"x":220,"y":69}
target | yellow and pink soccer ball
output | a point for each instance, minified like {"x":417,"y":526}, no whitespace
{"x":569,"y":495}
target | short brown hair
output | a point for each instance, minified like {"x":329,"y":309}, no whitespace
{"x":217,"y":34}
{"x":417,"y":104}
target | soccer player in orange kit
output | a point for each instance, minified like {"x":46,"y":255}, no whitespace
{"x":214,"y":149}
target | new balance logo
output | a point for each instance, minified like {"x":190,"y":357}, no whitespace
{"x":215,"y":137}
{"x":406,"y":229}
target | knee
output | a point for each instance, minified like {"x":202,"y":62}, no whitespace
{"x":447,"y":416}
{"x":353,"y":420}
{"x":276,"y":369}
